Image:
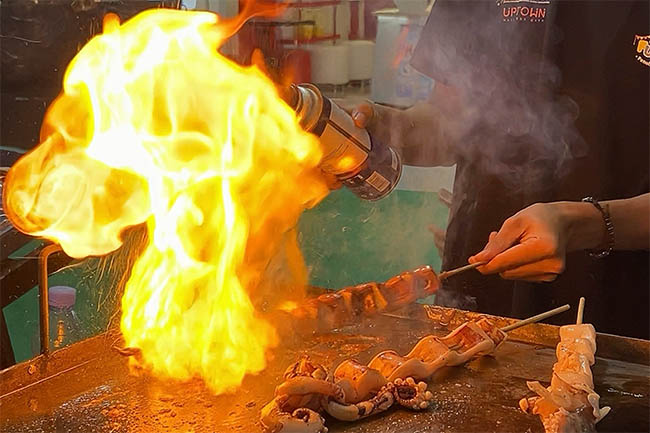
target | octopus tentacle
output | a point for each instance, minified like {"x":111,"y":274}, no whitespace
{"x":412,"y":395}
{"x":275,"y":419}
{"x":407,"y":393}
{"x":353,"y":412}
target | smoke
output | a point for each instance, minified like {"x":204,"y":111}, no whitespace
{"x":507,"y":117}
{"x":453,"y":299}
{"x":498,"y":111}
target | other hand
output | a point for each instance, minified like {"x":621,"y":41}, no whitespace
{"x":531,"y":245}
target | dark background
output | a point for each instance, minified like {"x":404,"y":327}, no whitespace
{"x":37,"y":41}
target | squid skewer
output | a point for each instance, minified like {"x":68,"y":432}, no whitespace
{"x":356,"y":391}
{"x":570,"y":403}
{"x":346,"y":306}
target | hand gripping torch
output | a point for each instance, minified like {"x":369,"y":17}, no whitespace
{"x":369,"y":168}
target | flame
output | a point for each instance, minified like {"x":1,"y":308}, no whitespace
{"x":154,"y":126}
{"x":288,"y":306}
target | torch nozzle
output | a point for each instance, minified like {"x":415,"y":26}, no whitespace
{"x":290,"y":95}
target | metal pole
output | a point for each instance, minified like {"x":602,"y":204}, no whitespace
{"x":44,"y":312}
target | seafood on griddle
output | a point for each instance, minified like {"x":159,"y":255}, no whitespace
{"x":356,"y":391}
{"x":570,"y":403}
{"x":346,"y":306}
{"x":431,"y":353}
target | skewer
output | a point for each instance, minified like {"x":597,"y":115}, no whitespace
{"x":536,"y":318}
{"x":446,"y":274}
{"x":581,"y":310}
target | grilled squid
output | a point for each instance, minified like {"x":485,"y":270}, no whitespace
{"x":346,"y":306}
{"x":570,"y":403}
{"x":357,"y":391}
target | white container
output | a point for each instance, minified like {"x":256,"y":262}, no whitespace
{"x":329,"y":64}
{"x":397,"y":83}
{"x":360,"y":58}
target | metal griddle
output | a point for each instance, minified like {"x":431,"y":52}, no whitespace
{"x":87,"y":387}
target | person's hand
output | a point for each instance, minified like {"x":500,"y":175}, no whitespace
{"x":362,"y":112}
{"x":531,"y":245}
{"x":377,"y":119}
{"x":365,"y":115}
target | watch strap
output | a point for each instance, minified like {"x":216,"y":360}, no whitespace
{"x":609,"y":227}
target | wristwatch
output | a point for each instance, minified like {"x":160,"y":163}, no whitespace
{"x":609,"y":226}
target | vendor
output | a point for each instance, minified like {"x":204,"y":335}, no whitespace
{"x":536,"y":102}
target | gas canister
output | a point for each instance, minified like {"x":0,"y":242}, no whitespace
{"x":369,"y":168}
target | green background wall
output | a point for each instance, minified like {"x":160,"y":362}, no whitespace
{"x":347,"y":241}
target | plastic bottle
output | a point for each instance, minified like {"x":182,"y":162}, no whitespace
{"x":65,"y":327}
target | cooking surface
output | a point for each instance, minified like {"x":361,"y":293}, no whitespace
{"x":100,"y":396}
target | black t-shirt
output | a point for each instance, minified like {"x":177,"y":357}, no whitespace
{"x":559,"y":96}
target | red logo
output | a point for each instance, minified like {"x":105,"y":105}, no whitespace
{"x":533,"y":11}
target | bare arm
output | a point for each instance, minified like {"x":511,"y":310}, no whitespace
{"x":532,"y":244}
{"x":425,"y":134}
{"x":631,"y":219}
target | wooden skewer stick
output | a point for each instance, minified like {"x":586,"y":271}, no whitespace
{"x":581,"y":311}
{"x":536,"y":318}
{"x":446,"y":274}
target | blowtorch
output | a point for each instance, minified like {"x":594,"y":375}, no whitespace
{"x":369,"y":168}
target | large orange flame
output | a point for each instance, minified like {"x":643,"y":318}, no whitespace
{"x":154,"y":126}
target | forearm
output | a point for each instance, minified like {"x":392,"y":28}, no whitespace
{"x":631,"y":219}
{"x":424,"y":138}
{"x":427,"y":134}
{"x":586,"y":228}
